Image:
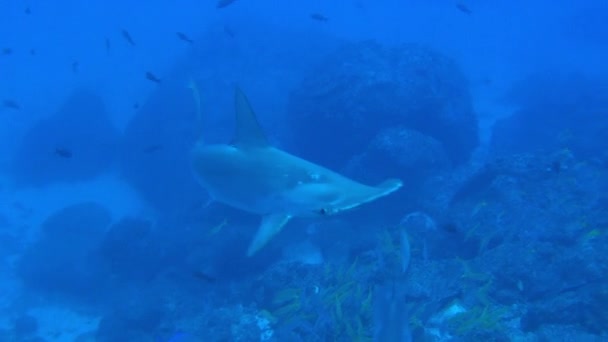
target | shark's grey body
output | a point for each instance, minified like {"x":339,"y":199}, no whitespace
{"x":253,"y":176}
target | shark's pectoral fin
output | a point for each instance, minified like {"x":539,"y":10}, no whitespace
{"x":271,"y":225}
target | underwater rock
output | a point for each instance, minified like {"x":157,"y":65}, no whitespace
{"x":63,"y":261}
{"x":555,"y":111}
{"x":78,"y":142}
{"x":25,"y":325}
{"x":365,"y":88}
{"x":131,"y":251}
{"x":155,"y":150}
{"x":138,"y":320}
{"x":396,"y":151}
{"x":564,"y":333}
{"x":568,"y":290}
{"x":583,"y":308}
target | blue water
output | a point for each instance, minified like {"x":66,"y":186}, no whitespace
{"x":493,"y":115}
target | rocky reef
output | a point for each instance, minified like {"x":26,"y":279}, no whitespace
{"x":78,"y":142}
{"x":364,"y":89}
{"x":555,"y":111}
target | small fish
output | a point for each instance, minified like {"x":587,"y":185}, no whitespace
{"x":319,"y":17}
{"x":63,"y":152}
{"x":556,"y":166}
{"x":196,"y":95}
{"x":204,"y":277}
{"x":449,"y":227}
{"x":150,"y":76}
{"x":27,"y":10}
{"x":180,"y":337}
{"x":182,"y":36}
{"x":216,"y":229}
{"x":7,"y":51}
{"x":128,"y":37}
{"x":12,"y":104}
{"x":464,"y":8}
{"x":229,"y":31}
{"x":75,"y":66}
{"x":136,"y":105}
{"x":153,"y":148}
{"x":406,"y":253}
{"x":108,"y":45}
{"x":224,"y":3}
{"x":391,"y":313}
{"x":33,"y":52}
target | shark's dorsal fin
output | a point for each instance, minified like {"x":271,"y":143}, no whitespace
{"x":248,"y":132}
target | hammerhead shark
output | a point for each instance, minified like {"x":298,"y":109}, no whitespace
{"x":252,"y":175}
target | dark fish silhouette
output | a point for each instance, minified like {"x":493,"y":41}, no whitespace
{"x":12,"y":104}
{"x":224,"y":3}
{"x":27,"y":10}
{"x":153,"y":148}
{"x":7,"y":51}
{"x":150,"y":76}
{"x":136,"y":105}
{"x":63,"y":152}
{"x":319,"y":17}
{"x":464,"y":8}
{"x":108,"y":45}
{"x":229,"y":31}
{"x":556,"y":166}
{"x":182,"y":36}
{"x":449,"y":227}
{"x":204,"y":277}
{"x":75,"y":66}
{"x":128,"y":37}
{"x":33,"y":52}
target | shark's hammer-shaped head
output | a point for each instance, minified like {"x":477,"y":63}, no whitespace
{"x":254,"y":176}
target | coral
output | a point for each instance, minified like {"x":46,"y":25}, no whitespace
{"x":478,"y":319}
{"x":340,"y":305}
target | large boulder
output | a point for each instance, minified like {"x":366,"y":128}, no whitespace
{"x":365,"y":88}
{"x":399,"y":150}
{"x":78,"y":142}
{"x":65,"y":259}
{"x":132,"y":252}
{"x":155,"y":150}
{"x":555,"y":111}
